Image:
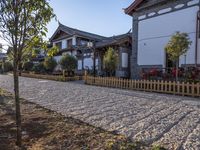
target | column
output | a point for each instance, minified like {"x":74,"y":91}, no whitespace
{"x":134,"y":56}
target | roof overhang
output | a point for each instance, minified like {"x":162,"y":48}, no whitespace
{"x":56,"y":32}
{"x":129,"y":10}
{"x":114,"y":41}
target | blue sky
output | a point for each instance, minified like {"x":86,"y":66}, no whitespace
{"x":103,"y":17}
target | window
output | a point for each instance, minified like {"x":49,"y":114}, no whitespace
{"x":83,"y":43}
{"x":69,"y":43}
{"x":59,"y":45}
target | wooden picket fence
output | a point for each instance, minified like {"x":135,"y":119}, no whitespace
{"x":170,"y":87}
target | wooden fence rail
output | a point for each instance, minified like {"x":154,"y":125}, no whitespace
{"x":170,"y":87}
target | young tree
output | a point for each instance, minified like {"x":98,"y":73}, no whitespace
{"x":68,"y":62}
{"x":110,"y":61}
{"x":52,"y":51}
{"x":20,"y":22}
{"x":177,"y":46}
{"x":50,"y":63}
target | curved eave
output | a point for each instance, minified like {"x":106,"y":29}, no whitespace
{"x":129,"y":10}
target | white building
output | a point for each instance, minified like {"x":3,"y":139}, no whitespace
{"x":154,"y":22}
{"x":74,"y":42}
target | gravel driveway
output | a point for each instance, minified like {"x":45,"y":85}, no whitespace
{"x":167,"y":120}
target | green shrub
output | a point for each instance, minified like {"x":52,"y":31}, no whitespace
{"x":38,"y":68}
{"x":49,"y":64}
{"x":68,"y":62}
{"x":27,"y":66}
{"x":8,"y":66}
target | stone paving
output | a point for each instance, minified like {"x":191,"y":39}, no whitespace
{"x":167,"y":120}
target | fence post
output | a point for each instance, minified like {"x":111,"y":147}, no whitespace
{"x":198,"y":89}
{"x":170,"y":86}
{"x":188,"y":88}
{"x":183,"y":88}
{"x":178,"y":87}
{"x":162,"y":85}
{"x":193,"y":88}
{"x":174,"y":87}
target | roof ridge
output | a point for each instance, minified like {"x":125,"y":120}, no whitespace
{"x":74,"y":29}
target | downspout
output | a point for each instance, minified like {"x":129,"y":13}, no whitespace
{"x":197,"y":37}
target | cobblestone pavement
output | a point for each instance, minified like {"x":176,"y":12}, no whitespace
{"x":167,"y":120}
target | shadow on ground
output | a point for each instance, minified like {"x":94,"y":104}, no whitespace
{"x":44,"y":129}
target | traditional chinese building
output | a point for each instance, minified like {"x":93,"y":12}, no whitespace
{"x":122,"y":45}
{"x":75,"y":42}
{"x":154,"y":22}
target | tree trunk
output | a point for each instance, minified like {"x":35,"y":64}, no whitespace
{"x":177,"y":70}
{"x":17,"y":107}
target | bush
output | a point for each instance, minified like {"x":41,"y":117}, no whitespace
{"x":68,"y":62}
{"x":27,"y":66}
{"x":49,"y":64}
{"x":8,"y":66}
{"x":39,"y":68}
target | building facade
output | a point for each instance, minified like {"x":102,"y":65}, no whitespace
{"x":122,"y":44}
{"x":75,"y":42}
{"x":154,"y":22}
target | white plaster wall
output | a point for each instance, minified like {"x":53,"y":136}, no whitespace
{"x":88,"y":62}
{"x":64,"y":44}
{"x":97,"y":63}
{"x":57,"y":58}
{"x":74,"y":53}
{"x":154,"y":34}
{"x":74,"y":40}
{"x":124,"y":60}
{"x":80,"y":65}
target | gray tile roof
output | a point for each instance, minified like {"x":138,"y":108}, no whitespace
{"x":113,"y":40}
{"x":72,"y":31}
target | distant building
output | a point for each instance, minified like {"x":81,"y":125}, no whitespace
{"x":154,"y":22}
{"x":74,"y":42}
{"x":70,"y":41}
{"x":122,"y":44}
{"x":3,"y":56}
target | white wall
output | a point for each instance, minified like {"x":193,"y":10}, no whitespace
{"x":88,"y":62}
{"x":97,"y":63}
{"x":74,"y":53}
{"x":124,"y":60}
{"x":154,"y":34}
{"x":64,"y":44}
{"x":80,"y":65}
{"x":57,"y":58}
{"x":74,"y":40}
